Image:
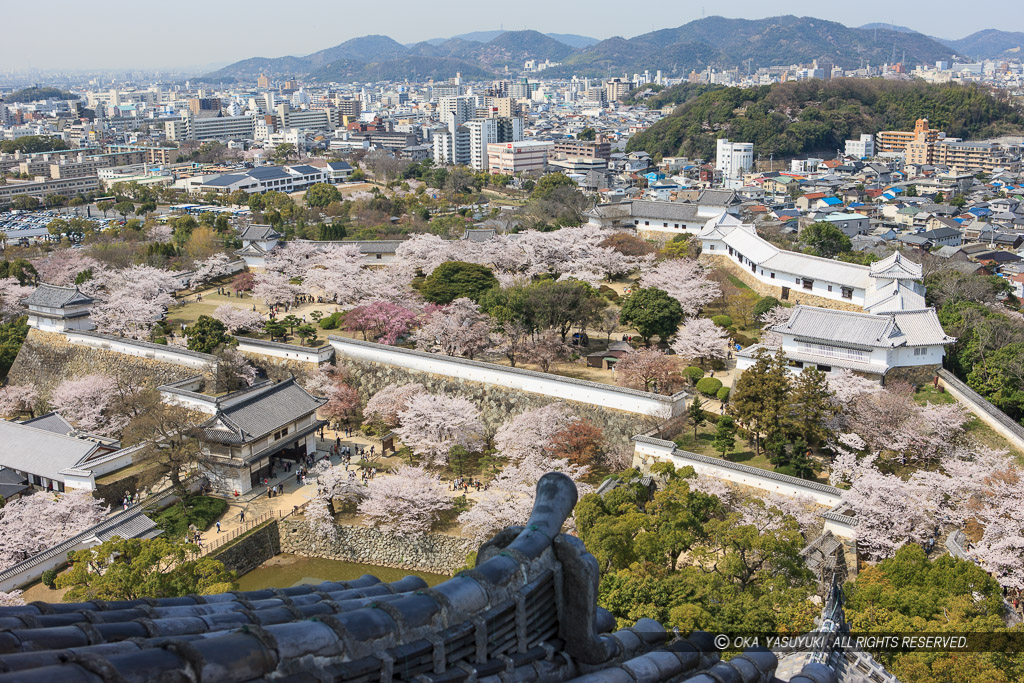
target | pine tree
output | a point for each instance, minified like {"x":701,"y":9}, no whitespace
{"x":725,"y":435}
{"x":759,"y":398}
{"x":697,"y":414}
{"x":811,"y":404}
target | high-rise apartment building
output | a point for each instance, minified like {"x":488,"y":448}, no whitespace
{"x":263,"y":82}
{"x":616,"y":88}
{"x":861,"y":148}
{"x":483,"y":132}
{"x":196,"y":105}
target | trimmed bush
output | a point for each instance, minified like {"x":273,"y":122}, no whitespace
{"x":608,"y":293}
{"x":49,"y":578}
{"x":765,"y":304}
{"x":332,"y":321}
{"x":723,"y":394}
{"x":709,"y":386}
{"x":694,"y":373}
{"x":722,"y":320}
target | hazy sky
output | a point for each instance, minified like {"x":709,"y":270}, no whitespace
{"x":71,"y":34}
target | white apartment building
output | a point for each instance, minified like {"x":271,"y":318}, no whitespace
{"x":864,"y":147}
{"x":734,"y":158}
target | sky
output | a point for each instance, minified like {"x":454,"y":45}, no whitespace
{"x":117,"y":34}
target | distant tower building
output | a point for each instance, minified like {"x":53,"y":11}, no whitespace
{"x":263,"y":82}
{"x":734,"y":158}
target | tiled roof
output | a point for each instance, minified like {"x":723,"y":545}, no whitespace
{"x":844,"y":327}
{"x":896,"y":267}
{"x":526,"y":612}
{"x":259,"y":233}
{"x":267,"y":409}
{"x":51,"y":422}
{"x":30,"y":449}
{"x":53,"y":296}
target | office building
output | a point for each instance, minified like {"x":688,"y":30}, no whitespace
{"x":861,"y":148}
{"x":734,"y":158}
{"x":218,"y":128}
{"x":484,"y":132}
{"x":587,"y":149}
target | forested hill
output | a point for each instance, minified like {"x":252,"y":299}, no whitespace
{"x":790,"y":119}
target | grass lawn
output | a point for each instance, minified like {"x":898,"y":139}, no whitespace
{"x":743,"y":453}
{"x":736,"y":281}
{"x":202,"y":511}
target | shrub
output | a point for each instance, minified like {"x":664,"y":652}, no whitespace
{"x":763,"y":305}
{"x":743,"y":340}
{"x":723,"y":394}
{"x":709,"y":386}
{"x":694,"y":373}
{"x":332,"y":321}
{"x":608,"y":293}
{"x":722,"y":320}
{"x":50,"y":578}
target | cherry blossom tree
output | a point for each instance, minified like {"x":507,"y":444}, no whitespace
{"x":36,"y":522}
{"x":60,"y":267}
{"x":234,"y":370}
{"x":778,"y":315}
{"x":847,"y":386}
{"x":700,"y":339}
{"x":161,"y":232}
{"x":11,"y":294}
{"x":274,"y":288}
{"x":686,"y":281}
{"x":647,"y":369}
{"x":210,"y":269}
{"x":384,"y":406}
{"x":125,"y":313}
{"x":384,"y":320}
{"x":424,"y":252}
{"x":531,"y":432}
{"x":18,"y":398}
{"x":509,"y":498}
{"x":87,"y":403}
{"x":333,"y":484}
{"x":294,"y":259}
{"x":342,"y":400}
{"x":512,"y":340}
{"x":12,"y":599}
{"x":333,"y":270}
{"x":145,"y":282}
{"x":890,"y":511}
{"x":238,"y":319}
{"x":431,"y":425}
{"x":407,"y":502}
{"x":546,"y":349}
{"x":458,"y":329}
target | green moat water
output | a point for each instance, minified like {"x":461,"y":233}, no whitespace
{"x":286,"y":570}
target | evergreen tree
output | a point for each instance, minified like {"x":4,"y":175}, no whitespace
{"x":759,"y":398}
{"x":697,"y":414}
{"x":810,"y":406}
{"x":725,"y":435}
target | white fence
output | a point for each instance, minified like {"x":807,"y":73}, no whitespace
{"x":567,"y":388}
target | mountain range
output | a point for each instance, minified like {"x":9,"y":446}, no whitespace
{"x":710,"y":42}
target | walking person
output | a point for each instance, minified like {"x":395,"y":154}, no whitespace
{"x":218,"y":527}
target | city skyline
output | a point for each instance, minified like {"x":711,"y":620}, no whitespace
{"x":122,"y":37}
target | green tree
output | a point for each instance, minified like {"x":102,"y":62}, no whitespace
{"x":759,"y":398}
{"x":696,"y":413}
{"x":765,"y":304}
{"x":587,"y":134}
{"x":958,"y":201}
{"x":275,"y":329}
{"x":561,"y":305}
{"x":681,"y":246}
{"x":292,"y":321}
{"x":652,"y":312}
{"x":124,"y":208}
{"x":129,"y":569}
{"x":322,"y":194}
{"x":911,"y":191}
{"x":306,"y":332}
{"x":206,"y":334}
{"x":546,"y":186}
{"x":283,"y":152}
{"x":24,"y":202}
{"x":456,"y":279}
{"x":811,"y":405}
{"x":824,"y":239}
{"x":939,"y":198}
{"x":12,"y":334}
{"x":105,"y":206}
{"x":21,"y":270}
{"x":725,"y":435}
